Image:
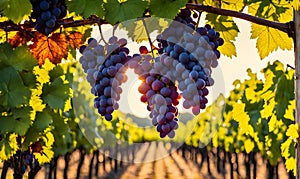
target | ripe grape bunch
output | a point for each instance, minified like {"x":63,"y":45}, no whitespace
{"x":46,"y":12}
{"x":196,"y":51}
{"x":158,"y":91}
{"x":183,"y":68}
{"x":105,"y":68}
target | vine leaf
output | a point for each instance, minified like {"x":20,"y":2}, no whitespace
{"x":20,"y":58}
{"x":236,"y":5}
{"x":275,"y":11}
{"x":86,"y":7}
{"x":42,"y":120}
{"x":56,"y":93}
{"x":21,"y":38}
{"x":13,"y":93}
{"x":8,"y":146}
{"x":75,"y":39}
{"x":249,"y":145}
{"x":54,"y":48}
{"x":16,"y":9}
{"x":137,"y":30}
{"x":291,"y":164}
{"x":19,"y":117}
{"x":126,"y":10}
{"x":292,"y":131}
{"x":228,"y":31}
{"x":284,"y":93}
{"x":158,"y":8}
{"x":269,"y":40}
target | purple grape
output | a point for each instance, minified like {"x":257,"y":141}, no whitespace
{"x":44,"y":5}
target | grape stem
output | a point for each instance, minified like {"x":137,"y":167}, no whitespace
{"x":198,"y":19}
{"x":287,"y":27}
{"x":148,"y":36}
{"x":101,"y":34}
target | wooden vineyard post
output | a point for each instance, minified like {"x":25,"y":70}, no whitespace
{"x":297,"y":85}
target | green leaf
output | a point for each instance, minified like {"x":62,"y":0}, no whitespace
{"x":166,"y":8}
{"x":12,"y":90}
{"x":86,"y":8}
{"x":22,"y":59}
{"x":228,"y":31}
{"x":28,"y":78}
{"x":283,"y":94}
{"x":269,"y":40}
{"x":19,"y":58}
{"x":56,"y":93}
{"x":137,"y":30}
{"x":15,"y":10}
{"x":118,"y":12}
{"x":17,"y":121}
{"x":56,"y":72}
{"x":42,"y":120}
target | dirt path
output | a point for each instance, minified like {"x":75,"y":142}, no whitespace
{"x":172,"y":166}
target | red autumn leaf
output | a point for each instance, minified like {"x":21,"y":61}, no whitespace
{"x":37,"y":147}
{"x":75,"y":39}
{"x":54,"y":47}
{"x":21,"y":38}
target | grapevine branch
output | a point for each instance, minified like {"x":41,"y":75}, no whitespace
{"x":68,"y":22}
{"x":287,"y":27}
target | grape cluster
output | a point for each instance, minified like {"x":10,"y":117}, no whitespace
{"x":183,"y":68}
{"x":158,"y":91}
{"x":196,"y":51}
{"x":46,"y":12}
{"x":161,"y":96}
{"x":105,"y":68}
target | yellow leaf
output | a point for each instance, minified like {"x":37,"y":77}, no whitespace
{"x":5,"y":153}
{"x":268,"y":108}
{"x":268,"y":141}
{"x":239,"y":114}
{"x":285,"y":148}
{"x":228,"y":49}
{"x":42,"y":72}
{"x":272,"y":123}
{"x":47,"y":149}
{"x":249,"y":145}
{"x":37,"y":103}
{"x":290,"y":111}
{"x":269,"y":40}
{"x":292,"y":131}
{"x":236,"y":5}
{"x":269,"y":75}
{"x":290,"y":164}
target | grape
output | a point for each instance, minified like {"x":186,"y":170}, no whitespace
{"x":160,"y":95}
{"x":50,"y":23}
{"x":44,"y":5}
{"x":105,"y":70}
{"x":56,"y":11}
{"x":143,"y":50}
{"x":46,"y":13}
{"x":48,"y":30}
{"x":184,"y":58}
